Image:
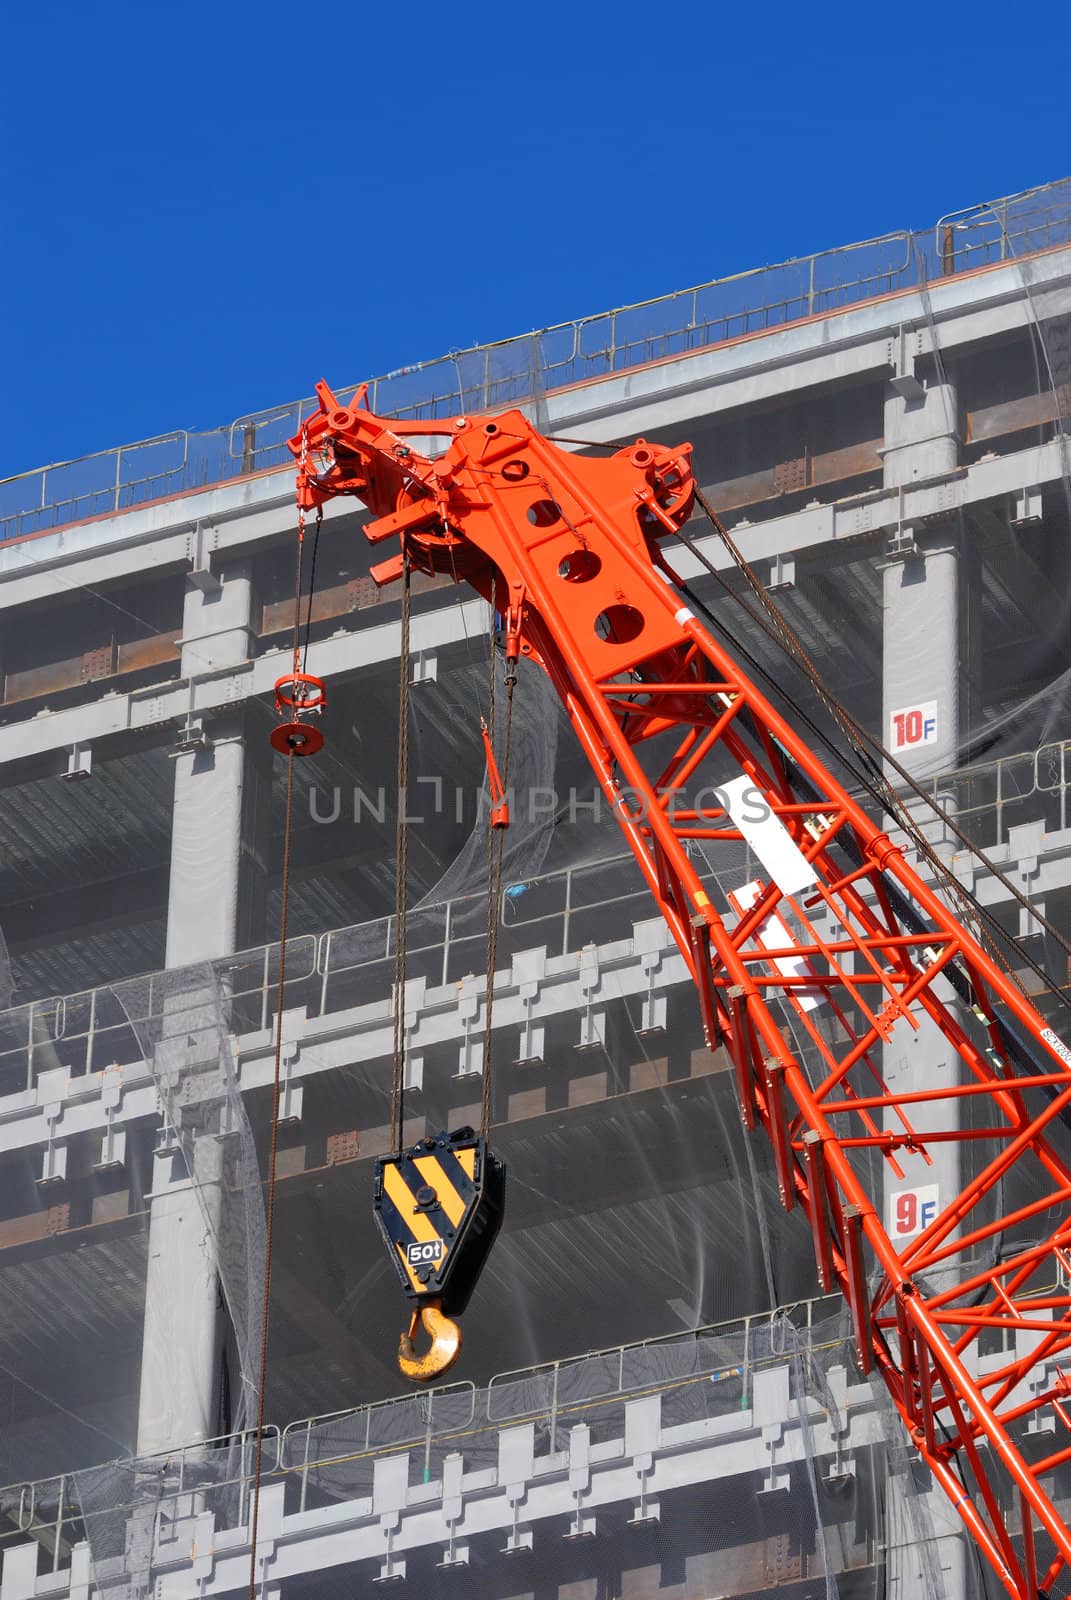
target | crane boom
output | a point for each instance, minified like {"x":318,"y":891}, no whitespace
{"x":806,"y":977}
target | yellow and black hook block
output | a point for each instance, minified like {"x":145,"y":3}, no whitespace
{"x":439,"y":1206}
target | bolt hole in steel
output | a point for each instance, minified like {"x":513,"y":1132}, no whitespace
{"x":619,"y":624}
{"x":579,"y":566}
{"x":544,"y":513}
{"x":515,"y":471}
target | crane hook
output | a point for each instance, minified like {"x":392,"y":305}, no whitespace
{"x":445,"y":1339}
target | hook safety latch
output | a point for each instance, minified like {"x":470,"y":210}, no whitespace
{"x":445,"y":1337}
{"x":499,"y":803}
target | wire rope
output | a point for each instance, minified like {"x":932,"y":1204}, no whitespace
{"x":312,"y":586}
{"x":865,"y":747}
{"x":495,"y":846}
{"x":401,"y":866}
{"x":273,"y":1153}
{"x":868,"y":753}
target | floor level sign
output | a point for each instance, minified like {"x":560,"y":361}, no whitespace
{"x":911,"y":727}
{"x":911,"y":1211}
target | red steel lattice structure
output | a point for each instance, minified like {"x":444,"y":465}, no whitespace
{"x":568,"y":549}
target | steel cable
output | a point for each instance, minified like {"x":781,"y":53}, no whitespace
{"x":495,"y":845}
{"x":312,"y":585}
{"x":863,"y":743}
{"x":401,"y":866}
{"x":273,"y":1153}
{"x":868,"y":785}
{"x":866,"y":748}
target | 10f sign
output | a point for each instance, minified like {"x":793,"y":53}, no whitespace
{"x":913,"y":726}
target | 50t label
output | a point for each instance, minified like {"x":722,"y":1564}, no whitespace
{"x":428,"y":1253}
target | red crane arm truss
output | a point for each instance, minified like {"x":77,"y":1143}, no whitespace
{"x":568,"y":549}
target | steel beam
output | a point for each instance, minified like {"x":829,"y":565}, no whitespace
{"x":843,"y":525}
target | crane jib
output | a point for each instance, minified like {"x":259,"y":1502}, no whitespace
{"x":849,"y":953}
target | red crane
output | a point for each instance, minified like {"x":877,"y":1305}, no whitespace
{"x":967,"y":1320}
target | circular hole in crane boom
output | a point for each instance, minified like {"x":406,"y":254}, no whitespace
{"x":544,"y":513}
{"x":579,"y":566}
{"x":619,"y":624}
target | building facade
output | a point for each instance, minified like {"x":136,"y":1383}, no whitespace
{"x":654,"y":1400}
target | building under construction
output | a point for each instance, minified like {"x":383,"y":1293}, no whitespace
{"x":659,"y":1395}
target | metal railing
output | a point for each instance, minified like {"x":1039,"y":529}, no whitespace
{"x":522,"y":369}
{"x":61,"y":1511}
{"x":992,"y":797}
{"x":327,"y":973}
{"x":563,"y":911}
{"x":329,"y":1457}
{"x":361,"y":1433}
{"x":998,"y":230}
{"x":700,"y":1373}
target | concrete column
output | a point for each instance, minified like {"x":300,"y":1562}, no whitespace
{"x":219,"y":842}
{"x":183,"y":1332}
{"x":925,"y":686}
{"x":923,"y":700}
{"x":921,"y":422}
{"x":218,"y":857}
{"x":925,"y":655}
{"x":222,"y":788}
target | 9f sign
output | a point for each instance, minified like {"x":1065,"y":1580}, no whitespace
{"x":913,"y":726}
{"x":912,"y":1210}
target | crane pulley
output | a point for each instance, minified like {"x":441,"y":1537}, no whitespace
{"x":840,"y":944}
{"x":439,"y":1207}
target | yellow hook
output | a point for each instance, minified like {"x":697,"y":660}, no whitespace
{"x":445,"y":1339}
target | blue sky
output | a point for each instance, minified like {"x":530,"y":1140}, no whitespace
{"x":209,"y":207}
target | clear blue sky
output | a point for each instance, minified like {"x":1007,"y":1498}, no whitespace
{"x":210,"y":206}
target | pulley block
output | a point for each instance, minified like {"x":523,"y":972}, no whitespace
{"x":439,"y":1206}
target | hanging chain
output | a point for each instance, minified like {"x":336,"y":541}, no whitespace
{"x":401,"y":869}
{"x":496,"y":838}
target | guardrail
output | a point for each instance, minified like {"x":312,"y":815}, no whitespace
{"x":313,"y":1446}
{"x":514,"y":371}
{"x":703,"y":1371}
{"x":991,"y":797}
{"x":64,"y":1510}
{"x":326,"y":973}
{"x":563,"y":911}
{"x":700,"y":1373}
